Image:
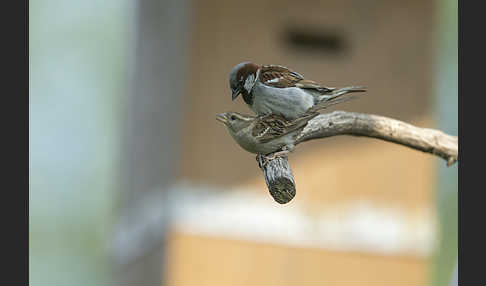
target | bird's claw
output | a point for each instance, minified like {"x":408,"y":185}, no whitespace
{"x":263,"y":159}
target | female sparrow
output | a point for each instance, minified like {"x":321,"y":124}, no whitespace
{"x":273,"y":89}
{"x":266,"y":134}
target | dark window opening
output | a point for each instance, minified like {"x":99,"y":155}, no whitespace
{"x":315,"y":40}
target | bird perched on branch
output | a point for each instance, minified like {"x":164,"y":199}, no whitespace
{"x":266,"y":134}
{"x":273,"y":89}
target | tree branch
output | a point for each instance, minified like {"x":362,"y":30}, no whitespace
{"x":380,"y":127}
{"x":279,"y":178}
{"x":357,"y":124}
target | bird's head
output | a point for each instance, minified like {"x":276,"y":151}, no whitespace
{"x":234,"y":121}
{"x":242,"y":78}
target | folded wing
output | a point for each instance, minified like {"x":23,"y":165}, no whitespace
{"x":282,"y":77}
{"x":273,"y":126}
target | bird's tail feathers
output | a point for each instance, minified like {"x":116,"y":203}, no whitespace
{"x":337,"y":96}
{"x":349,"y":89}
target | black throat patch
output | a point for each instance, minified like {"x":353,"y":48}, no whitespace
{"x":247,"y":97}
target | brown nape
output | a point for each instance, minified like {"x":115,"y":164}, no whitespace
{"x":246,"y":70}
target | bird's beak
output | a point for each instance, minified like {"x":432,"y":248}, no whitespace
{"x":221,"y":117}
{"x":235,"y":93}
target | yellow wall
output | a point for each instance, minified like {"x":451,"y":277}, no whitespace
{"x":199,"y":260}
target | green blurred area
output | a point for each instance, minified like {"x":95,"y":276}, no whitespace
{"x":77,"y":71}
{"x":446,"y":109}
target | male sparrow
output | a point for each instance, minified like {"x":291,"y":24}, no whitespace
{"x":273,"y":89}
{"x":265,"y":134}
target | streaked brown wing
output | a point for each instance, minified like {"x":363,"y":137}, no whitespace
{"x":279,"y":76}
{"x":273,"y":126}
{"x":282,"y":77}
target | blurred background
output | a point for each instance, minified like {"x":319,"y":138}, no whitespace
{"x":132,"y":181}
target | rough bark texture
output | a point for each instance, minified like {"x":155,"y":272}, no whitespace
{"x":279,"y":177}
{"x":357,"y":124}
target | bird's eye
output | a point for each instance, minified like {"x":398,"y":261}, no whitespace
{"x":233,"y":117}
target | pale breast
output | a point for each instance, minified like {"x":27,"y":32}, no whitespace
{"x":249,"y":143}
{"x":290,"y":102}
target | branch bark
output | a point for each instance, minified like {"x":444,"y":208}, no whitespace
{"x":431,"y":141}
{"x":279,"y":178}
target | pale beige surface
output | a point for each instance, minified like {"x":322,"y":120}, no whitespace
{"x":198,"y":260}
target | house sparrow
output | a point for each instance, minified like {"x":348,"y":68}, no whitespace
{"x":266,"y":134}
{"x":273,"y":89}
